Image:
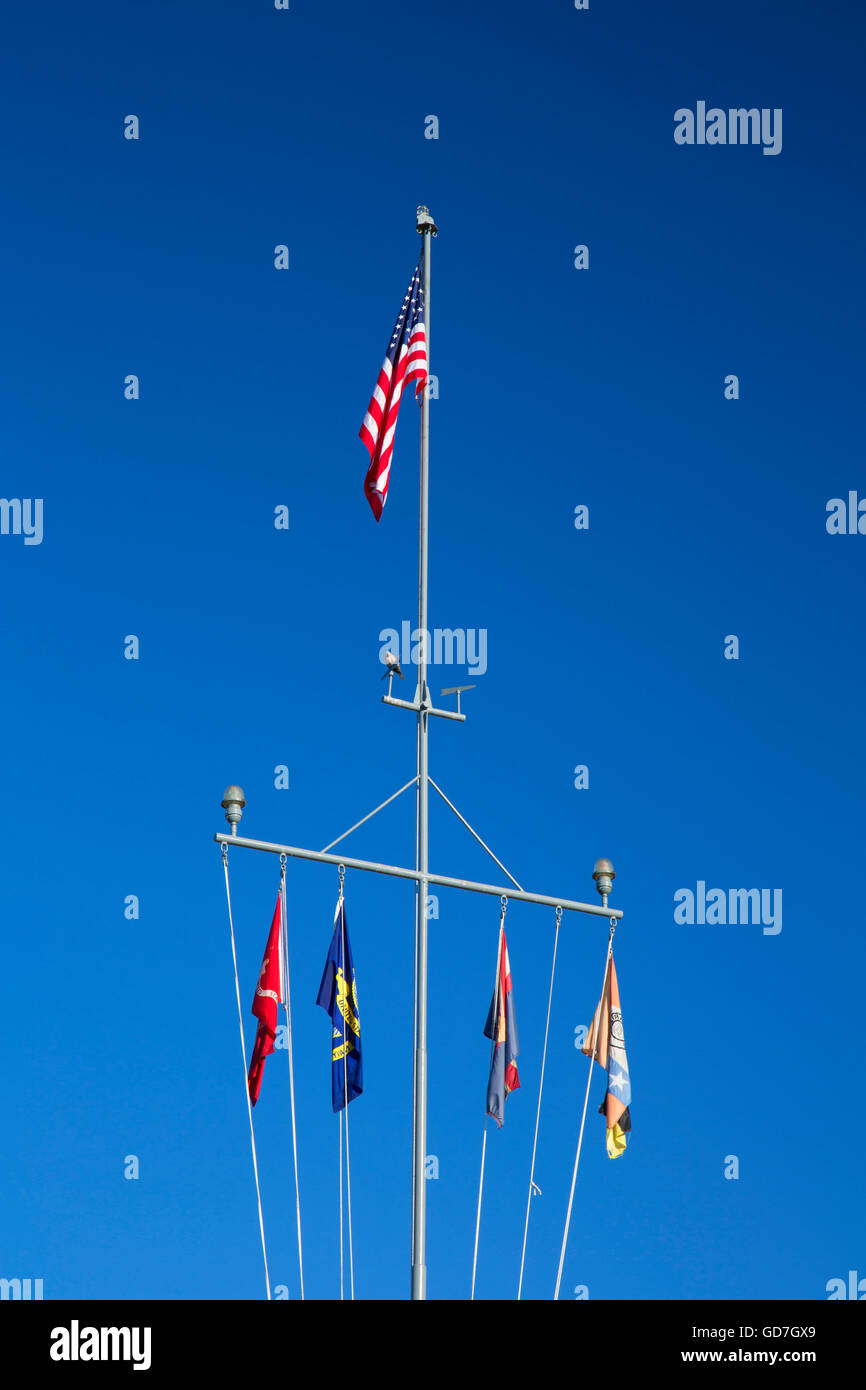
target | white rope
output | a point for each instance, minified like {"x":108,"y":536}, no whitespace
{"x":582,"y":1122}
{"x":349,"y":1210}
{"x":287,"y":1004}
{"x":418,"y":908}
{"x":345,"y":1110}
{"x":478,"y":1214}
{"x":246,"y":1085}
{"x":341,"y":1206}
{"x":532,"y":1187}
{"x":484,"y":1141}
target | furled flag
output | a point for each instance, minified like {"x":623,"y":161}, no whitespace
{"x":501,"y":1028}
{"x":269,"y":993}
{"x":607,"y":1042}
{"x":338,"y":997}
{"x":405,"y":361}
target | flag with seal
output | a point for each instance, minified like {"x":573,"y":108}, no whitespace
{"x":606,"y":1044}
{"x":339,"y":998}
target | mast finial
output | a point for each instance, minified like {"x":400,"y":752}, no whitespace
{"x":424,"y":222}
{"x":604,"y":873}
{"x":233,"y":804}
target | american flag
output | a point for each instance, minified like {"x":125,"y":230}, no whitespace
{"x":405,"y":360}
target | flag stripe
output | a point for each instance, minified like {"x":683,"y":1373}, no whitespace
{"x":405,"y":361}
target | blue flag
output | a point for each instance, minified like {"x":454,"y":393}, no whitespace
{"x":337,"y":996}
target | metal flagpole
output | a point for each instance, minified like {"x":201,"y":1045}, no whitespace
{"x":422,"y":706}
{"x":427,"y":228}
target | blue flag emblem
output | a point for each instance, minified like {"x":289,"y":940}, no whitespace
{"x":338,"y":997}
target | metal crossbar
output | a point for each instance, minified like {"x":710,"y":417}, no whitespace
{"x":418,"y":876}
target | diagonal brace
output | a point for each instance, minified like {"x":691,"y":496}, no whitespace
{"x":474,"y":833}
{"x":411,"y":783}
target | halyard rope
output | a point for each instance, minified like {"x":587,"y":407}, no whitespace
{"x":246,"y":1084}
{"x":484,"y":1140}
{"x":532,"y":1186}
{"x":597,"y":1031}
{"x":287,"y":1004}
{"x":350,"y":985}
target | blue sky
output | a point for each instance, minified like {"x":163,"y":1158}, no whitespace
{"x":258,"y":648}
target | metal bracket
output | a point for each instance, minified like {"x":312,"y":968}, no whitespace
{"x":425,"y":707}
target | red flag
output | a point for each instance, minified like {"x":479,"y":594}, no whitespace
{"x":269,"y":993}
